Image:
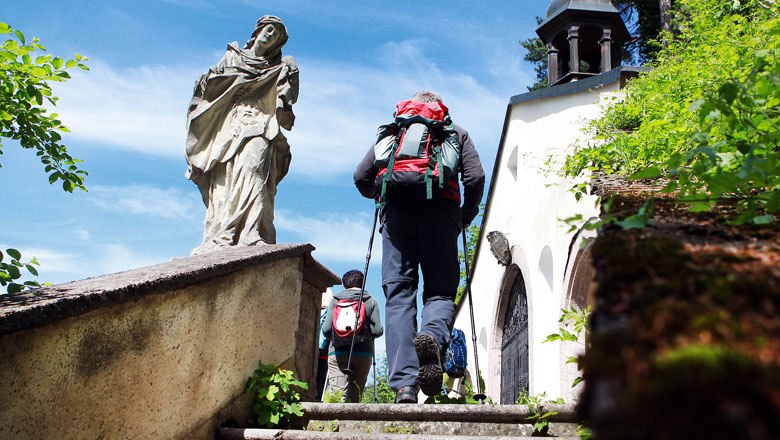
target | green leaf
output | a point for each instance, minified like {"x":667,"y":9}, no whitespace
{"x":273,"y":390}
{"x":15,"y":288}
{"x":650,"y":172}
{"x":32,"y":269}
{"x":728,"y":92}
{"x":762,"y":219}
{"x":14,"y":272}
{"x":700,"y":207}
{"x":13,"y":253}
{"x":5,"y":28}
{"x":20,"y":36}
{"x":633,"y":222}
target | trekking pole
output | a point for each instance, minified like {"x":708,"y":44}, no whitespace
{"x":480,"y":396}
{"x":360,"y":301}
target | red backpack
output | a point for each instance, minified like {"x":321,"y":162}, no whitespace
{"x":345,"y":312}
{"x":419,"y":148}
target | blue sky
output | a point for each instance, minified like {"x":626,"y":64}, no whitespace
{"x":127,"y":116}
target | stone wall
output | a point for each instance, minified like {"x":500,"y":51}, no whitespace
{"x":157,"y":352}
{"x":685,"y":340}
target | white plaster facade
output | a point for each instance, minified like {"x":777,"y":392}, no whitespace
{"x":526,"y":202}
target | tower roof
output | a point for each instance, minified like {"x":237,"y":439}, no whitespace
{"x":557,"y":6}
{"x":580,"y":12}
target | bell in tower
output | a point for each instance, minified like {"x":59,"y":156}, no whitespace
{"x":583,"y":38}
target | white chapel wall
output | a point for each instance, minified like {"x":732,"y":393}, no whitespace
{"x":527,"y":202}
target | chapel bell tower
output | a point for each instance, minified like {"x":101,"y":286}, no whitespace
{"x":583,"y":38}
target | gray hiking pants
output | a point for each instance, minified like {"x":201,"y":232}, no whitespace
{"x":423,"y":236}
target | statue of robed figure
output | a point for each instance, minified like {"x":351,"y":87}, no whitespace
{"x":236,"y":153}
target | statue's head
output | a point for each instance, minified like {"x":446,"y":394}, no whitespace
{"x":268,"y":38}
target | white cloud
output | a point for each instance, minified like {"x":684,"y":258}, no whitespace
{"x":337,"y":237}
{"x":116,"y":257}
{"x":57,"y":266}
{"x":82,"y":234}
{"x":147,"y":200}
{"x":53,"y":260}
{"x":140,"y":109}
{"x":341,"y":104}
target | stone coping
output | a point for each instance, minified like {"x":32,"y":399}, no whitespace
{"x":566,"y":413}
{"x":42,"y":306}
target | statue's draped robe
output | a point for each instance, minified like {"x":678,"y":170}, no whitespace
{"x":235,"y":151}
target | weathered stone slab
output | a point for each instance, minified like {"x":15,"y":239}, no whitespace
{"x":158,"y":352}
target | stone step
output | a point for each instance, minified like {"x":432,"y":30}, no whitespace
{"x":451,"y":422}
{"x":441,"y":412}
{"x":280,"y":434}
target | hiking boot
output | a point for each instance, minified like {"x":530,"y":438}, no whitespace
{"x":407,"y":394}
{"x":429,"y":355}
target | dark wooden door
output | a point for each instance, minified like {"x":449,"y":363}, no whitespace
{"x":514,"y":345}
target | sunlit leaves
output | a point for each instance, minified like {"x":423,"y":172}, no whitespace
{"x":706,"y":117}
{"x":25,"y":77}
{"x":274,"y":394}
{"x":12,"y":270}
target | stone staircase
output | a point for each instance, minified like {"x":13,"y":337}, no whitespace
{"x":415,"y":422}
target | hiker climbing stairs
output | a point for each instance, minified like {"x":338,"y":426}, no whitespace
{"x":416,"y":422}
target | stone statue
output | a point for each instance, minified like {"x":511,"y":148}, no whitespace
{"x":236,"y":153}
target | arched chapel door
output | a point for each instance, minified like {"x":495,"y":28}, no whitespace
{"x":514,"y":343}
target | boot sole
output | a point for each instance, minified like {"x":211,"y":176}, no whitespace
{"x":430,"y":373}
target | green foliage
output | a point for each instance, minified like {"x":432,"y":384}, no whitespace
{"x":539,"y":417}
{"x":643,"y":20}
{"x":24,"y":86}
{"x":467,"y":398}
{"x":11,"y":271}
{"x":573,"y":323}
{"x":401,"y":429}
{"x":584,"y":432}
{"x":706,"y":117}
{"x":385,"y":394}
{"x":336,"y":397}
{"x":318,"y":425}
{"x":536,"y":54}
{"x":637,"y":220}
{"x":274,"y":395}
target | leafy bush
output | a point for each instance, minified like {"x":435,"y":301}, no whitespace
{"x":535,"y":405}
{"x":11,"y":272}
{"x":577,"y":320}
{"x":706,"y":116}
{"x":24,"y":85}
{"x":274,"y":395}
